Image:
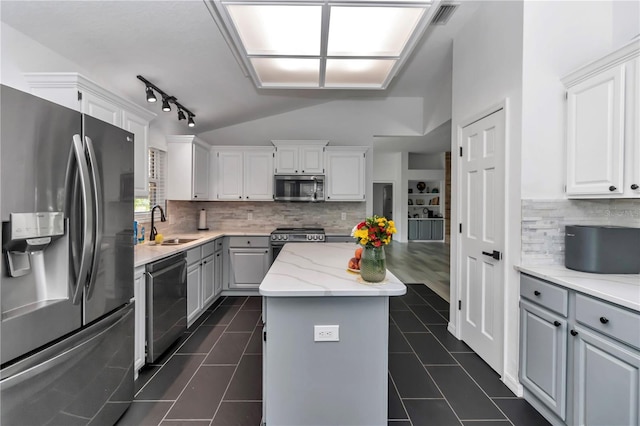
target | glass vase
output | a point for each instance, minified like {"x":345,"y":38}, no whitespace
{"x":373,"y":265}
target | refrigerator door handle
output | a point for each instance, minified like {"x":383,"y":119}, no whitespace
{"x":97,"y":222}
{"x":87,"y":218}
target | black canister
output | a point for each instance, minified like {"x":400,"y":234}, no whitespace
{"x":602,"y":249}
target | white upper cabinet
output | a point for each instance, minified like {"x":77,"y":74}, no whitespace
{"x":77,"y":92}
{"x":603,"y":136}
{"x":244,"y":173}
{"x":299,"y":157}
{"x":346,"y":173}
{"x":258,"y":174}
{"x":188,"y":168}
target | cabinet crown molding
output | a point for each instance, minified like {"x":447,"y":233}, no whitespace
{"x":187,"y":139}
{"x":74,"y":80}
{"x":625,"y":53}
{"x":309,"y":142}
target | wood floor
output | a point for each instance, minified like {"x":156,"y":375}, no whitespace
{"x":419,"y":262}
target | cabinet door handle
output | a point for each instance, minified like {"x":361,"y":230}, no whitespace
{"x":634,"y":186}
{"x":537,"y":293}
{"x":556,"y":323}
{"x":573,"y":333}
{"x":604,"y":320}
{"x":247,"y":197}
{"x":204,"y":263}
{"x":612,"y":188}
{"x":240,"y":197}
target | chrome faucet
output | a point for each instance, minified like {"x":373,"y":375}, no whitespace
{"x":153,"y":233}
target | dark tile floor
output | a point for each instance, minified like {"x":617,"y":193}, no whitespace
{"x":213,"y":374}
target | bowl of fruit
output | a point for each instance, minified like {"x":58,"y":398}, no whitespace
{"x":354,"y":262}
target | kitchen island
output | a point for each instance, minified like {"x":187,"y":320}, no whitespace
{"x":328,"y":376}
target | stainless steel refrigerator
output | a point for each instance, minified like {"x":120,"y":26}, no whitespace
{"x":67,"y":327}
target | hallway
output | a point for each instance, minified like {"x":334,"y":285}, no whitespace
{"x":421,"y":262}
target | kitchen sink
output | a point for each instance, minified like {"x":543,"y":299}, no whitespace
{"x":177,"y":241}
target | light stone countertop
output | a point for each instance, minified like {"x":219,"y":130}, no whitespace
{"x":621,"y":289}
{"x":308,"y":270}
{"x":147,"y":253}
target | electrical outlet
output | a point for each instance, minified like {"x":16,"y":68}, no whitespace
{"x":249,"y":216}
{"x":326,"y":333}
{"x":343,"y":216}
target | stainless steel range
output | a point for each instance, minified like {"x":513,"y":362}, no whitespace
{"x":281,"y":236}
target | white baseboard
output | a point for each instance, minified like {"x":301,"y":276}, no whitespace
{"x":513,"y":384}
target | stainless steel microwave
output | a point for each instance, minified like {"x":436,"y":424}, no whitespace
{"x":304,"y":188}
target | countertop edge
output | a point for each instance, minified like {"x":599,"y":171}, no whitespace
{"x":156,"y":252}
{"x":614,"y":288}
{"x":364,"y":293}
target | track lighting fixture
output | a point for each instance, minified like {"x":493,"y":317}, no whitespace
{"x":167,"y":100}
{"x":151,"y":97}
{"x":165,"y":104}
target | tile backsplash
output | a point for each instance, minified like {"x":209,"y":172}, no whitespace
{"x":544,"y":221}
{"x":266,"y":216}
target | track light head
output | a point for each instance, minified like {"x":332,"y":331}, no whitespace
{"x":181,"y":115}
{"x":191,"y":123}
{"x":165,"y":104}
{"x":151,"y":97}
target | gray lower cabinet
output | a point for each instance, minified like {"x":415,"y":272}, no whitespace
{"x":249,"y":261}
{"x":543,"y":349}
{"x":579,"y":356}
{"x":413,"y":230}
{"x":217,"y":272}
{"x":426,"y":229}
{"x":606,"y":386}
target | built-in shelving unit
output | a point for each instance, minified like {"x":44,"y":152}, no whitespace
{"x":425,"y":210}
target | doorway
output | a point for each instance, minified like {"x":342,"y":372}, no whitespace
{"x":383,"y":199}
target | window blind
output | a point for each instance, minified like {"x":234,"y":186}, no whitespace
{"x":157,"y":177}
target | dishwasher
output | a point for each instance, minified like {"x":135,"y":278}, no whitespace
{"x":166,"y":316}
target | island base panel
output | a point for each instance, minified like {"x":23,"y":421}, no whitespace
{"x":326,"y":383}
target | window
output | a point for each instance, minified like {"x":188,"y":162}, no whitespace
{"x":157,"y":171}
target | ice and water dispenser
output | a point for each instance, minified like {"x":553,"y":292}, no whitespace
{"x":32,"y":257}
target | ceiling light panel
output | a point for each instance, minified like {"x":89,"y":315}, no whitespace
{"x":281,"y":72}
{"x":371,"y":31}
{"x":357,"y":73}
{"x":273,"y":29}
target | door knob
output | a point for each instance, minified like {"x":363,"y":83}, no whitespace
{"x":496,"y":254}
{"x":634,"y":186}
{"x":612,"y":188}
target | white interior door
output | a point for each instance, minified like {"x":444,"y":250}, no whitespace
{"x":482,"y":213}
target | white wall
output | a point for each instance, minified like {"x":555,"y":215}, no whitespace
{"x":22,"y":54}
{"x":349,"y":122}
{"x":554,"y":44}
{"x":426,"y":161}
{"x":487,"y":69}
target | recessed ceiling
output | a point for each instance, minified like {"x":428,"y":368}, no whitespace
{"x":360,"y":44}
{"x":177,"y":46}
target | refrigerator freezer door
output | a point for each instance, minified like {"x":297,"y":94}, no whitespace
{"x":110,"y":155}
{"x":83,"y":380}
{"x":35,"y":143}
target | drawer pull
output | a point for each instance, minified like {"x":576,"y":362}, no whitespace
{"x":556,"y":323}
{"x":604,"y":320}
{"x":573,"y":333}
{"x":537,"y":293}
